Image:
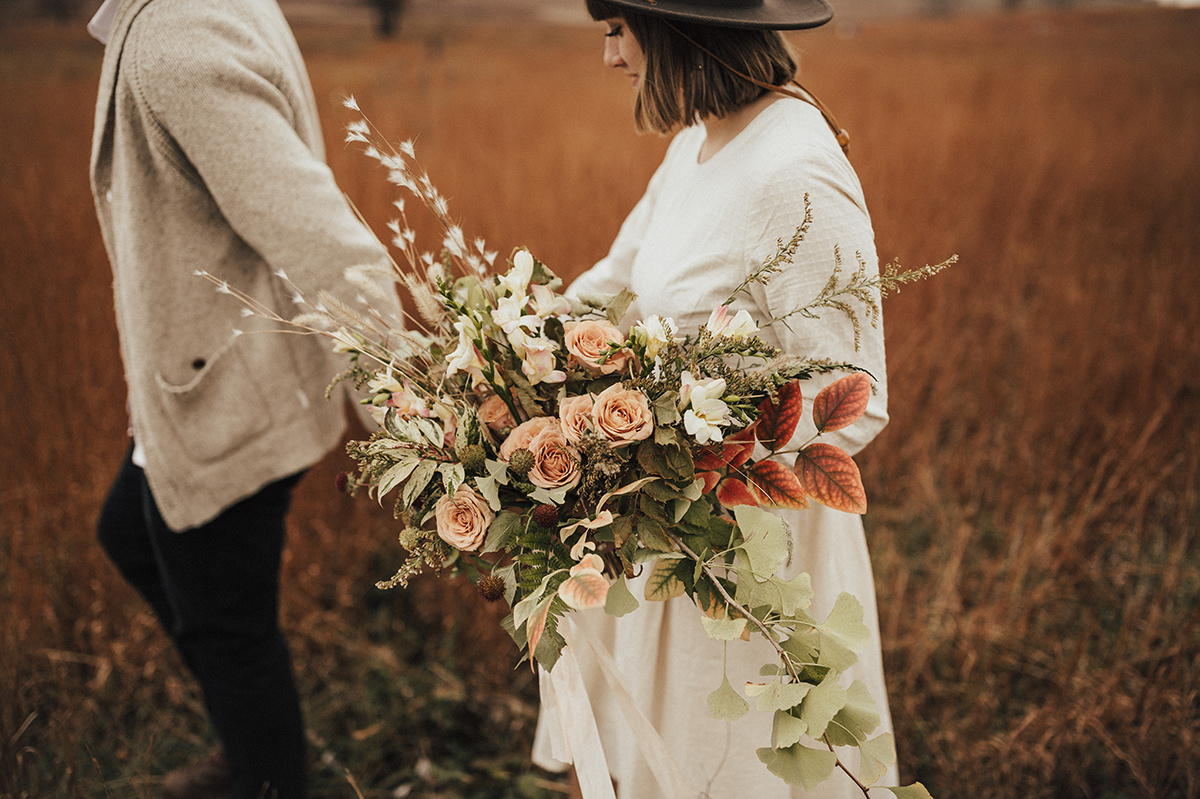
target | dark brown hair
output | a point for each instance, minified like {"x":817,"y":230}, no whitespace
{"x":685,"y":80}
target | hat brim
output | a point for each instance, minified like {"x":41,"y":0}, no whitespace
{"x":763,"y":14}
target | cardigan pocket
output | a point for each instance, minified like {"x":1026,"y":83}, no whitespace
{"x":218,"y":410}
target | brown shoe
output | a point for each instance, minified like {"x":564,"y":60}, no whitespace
{"x":204,"y":779}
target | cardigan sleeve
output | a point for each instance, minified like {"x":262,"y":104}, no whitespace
{"x":227,"y":108}
{"x":841,"y":228}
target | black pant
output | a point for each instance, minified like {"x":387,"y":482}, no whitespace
{"x":215,"y":590}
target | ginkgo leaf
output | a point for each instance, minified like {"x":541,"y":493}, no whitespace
{"x":857,"y":719}
{"x":821,"y":704}
{"x":878,"y":755}
{"x":841,"y":403}
{"x":725,"y":704}
{"x":779,"y":695}
{"x":831,"y":477}
{"x":732,"y":492}
{"x":764,"y":540}
{"x":775,"y":485}
{"x":620,"y":600}
{"x":786,"y":730}
{"x":914,"y":791}
{"x":799,"y":764}
{"x":723,"y":629}
{"x":777,"y":420}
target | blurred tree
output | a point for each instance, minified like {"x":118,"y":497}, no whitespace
{"x":61,"y":10}
{"x":389,"y":12}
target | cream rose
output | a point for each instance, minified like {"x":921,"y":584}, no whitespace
{"x":463,"y":520}
{"x":588,"y":340}
{"x":495,"y":414}
{"x":555,"y":462}
{"x":575,"y":413}
{"x":622,"y":416}
{"x":523,"y":434}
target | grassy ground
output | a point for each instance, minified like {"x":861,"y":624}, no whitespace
{"x":1034,"y":501}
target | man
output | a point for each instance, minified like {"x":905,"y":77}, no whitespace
{"x":207,"y":157}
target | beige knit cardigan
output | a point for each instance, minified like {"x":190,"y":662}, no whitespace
{"x":207,"y":156}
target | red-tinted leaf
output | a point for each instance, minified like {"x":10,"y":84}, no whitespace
{"x":732,"y":492}
{"x":778,"y":419}
{"x":537,"y":625}
{"x":710,"y":480}
{"x":740,"y":446}
{"x":842,"y":402}
{"x":707,"y":458}
{"x":831,"y":477}
{"x":774,"y":485}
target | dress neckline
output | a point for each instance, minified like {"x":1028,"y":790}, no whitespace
{"x":735,"y":142}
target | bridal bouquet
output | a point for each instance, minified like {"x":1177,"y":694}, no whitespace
{"x":527,"y":443}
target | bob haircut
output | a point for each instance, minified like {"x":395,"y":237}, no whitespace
{"x":684,"y":84}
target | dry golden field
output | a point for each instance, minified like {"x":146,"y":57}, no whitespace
{"x":1035,"y":505}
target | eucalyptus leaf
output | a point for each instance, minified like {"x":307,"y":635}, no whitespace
{"x":725,"y":704}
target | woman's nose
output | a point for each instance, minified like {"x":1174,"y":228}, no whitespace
{"x":612,"y":54}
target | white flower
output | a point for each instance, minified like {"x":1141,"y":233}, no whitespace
{"x":537,"y":361}
{"x":657,"y":333}
{"x":519,"y":276}
{"x":706,"y":411}
{"x":509,"y":316}
{"x":466,"y":357}
{"x":739,"y":327}
{"x":547,"y":303}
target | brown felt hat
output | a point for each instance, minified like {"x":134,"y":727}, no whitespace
{"x":770,"y":14}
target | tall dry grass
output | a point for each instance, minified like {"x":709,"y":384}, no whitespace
{"x":1034,"y":501}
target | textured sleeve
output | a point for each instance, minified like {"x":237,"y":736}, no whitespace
{"x":612,"y":272}
{"x":840,"y":225}
{"x":226,"y":108}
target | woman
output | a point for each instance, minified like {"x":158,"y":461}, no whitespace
{"x":733,"y":183}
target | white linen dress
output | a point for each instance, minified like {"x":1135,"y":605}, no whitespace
{"x":694,"y":236}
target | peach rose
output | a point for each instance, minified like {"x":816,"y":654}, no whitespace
{"x":588,"y":340}
{"x":523,"y":434}
{"x":622,"y":416}
{"x":575,"y":413}
{"x":555,"y":462}
{"x":463,"y":520}
{"x":495,"y":415}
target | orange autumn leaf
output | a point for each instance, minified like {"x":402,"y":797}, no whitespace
{"x":774,"y":485}
{"x":841,"y":403}
{"x":710,"y":480}
{"x":831,"y":477}
{"x":778,"y":418}
{"x":733,"y":492}
{"x":740,"y":446}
